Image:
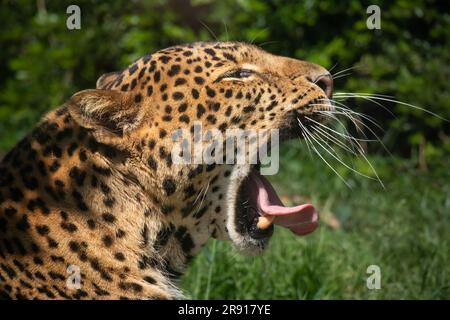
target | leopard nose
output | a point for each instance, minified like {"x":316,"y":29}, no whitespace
{"x":325,"y":82}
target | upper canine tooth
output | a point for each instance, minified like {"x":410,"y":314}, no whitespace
{"x":264,"y":222}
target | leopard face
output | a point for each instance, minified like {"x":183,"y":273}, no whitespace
{"x":96,"y":184}
{"x":220,"y":86}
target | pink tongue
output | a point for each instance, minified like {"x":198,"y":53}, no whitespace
{"x":301,"y":219}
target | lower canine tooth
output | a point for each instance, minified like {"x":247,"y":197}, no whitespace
{"x":264,"y":222}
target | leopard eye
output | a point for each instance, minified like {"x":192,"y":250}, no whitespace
{"x":241,"y":73}
{"x":236,"y":74}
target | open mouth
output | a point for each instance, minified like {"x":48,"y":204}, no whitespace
{"x":258,"y":208}
{"x":256,"y":205}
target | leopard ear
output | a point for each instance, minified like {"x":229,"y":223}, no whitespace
{"x":109,"y":112}
{"x":107,"y":79}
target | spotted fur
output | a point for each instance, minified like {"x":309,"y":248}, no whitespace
{"x":94,"y":184}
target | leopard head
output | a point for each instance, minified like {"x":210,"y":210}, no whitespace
{"x":213,"y":87}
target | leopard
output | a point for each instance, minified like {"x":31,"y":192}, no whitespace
{"x":92,"y":203}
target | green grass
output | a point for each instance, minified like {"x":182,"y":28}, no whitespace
{"x":404,"y":229}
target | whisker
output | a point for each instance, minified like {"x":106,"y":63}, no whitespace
{"x":334,"y":139}
{"x":368,"y":98}
{"x":377,"y":138}
{"x":364,"y":94}
{"x":306,"y":141}
{"x":226,"y":29}
{"x":325,"y":132}
{"x":412,"y":106}
{"x":373,"y":169}
{"x":257,"y":34}
{"x":203,"y":197}
{"x":267,"y":43}
{"x":322,"y":139}
{"x":349,"y":114}
{"x":354,"y":120}
{"x":321,"y":157}
{"x":199,"y":194}
{"x":361,"y":152}
{"x":334,"y":66}
{"x":339,"y":133}
{"x":341,"y":75}
{"x":346,"y":134}
{"x":382,"y":98}
{"x":346,"y":108}
{"x":209,"y":30}
{"x":327,"y":136}
{"x":340,"y":161}
{"x":332,"y":114}
{"x":341,"y":71}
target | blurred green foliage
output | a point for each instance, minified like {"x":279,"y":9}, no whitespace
{"x":42,"y":63}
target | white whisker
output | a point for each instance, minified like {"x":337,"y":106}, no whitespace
{"x":350,"y":115}
{"x":203,"y":197}
{"x":341,"y":75}
{"x":339,"y":133}
{"x":354,"y":120}
{"x":306,"y":142}
{"x":306,"y":134}
{"x":334,"y":139}
{"x":361,"y":152}
{"x":382,"y":98}
{"x":342,"y":71}
{"x":334,"y":66}
{"x":209,"y":30}
{"x":340,"y":161}
{"x":344,"y":108}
